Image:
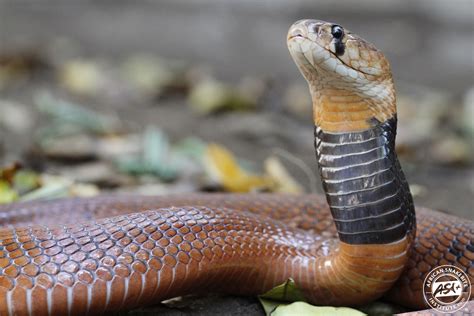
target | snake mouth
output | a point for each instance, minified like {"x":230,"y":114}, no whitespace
{"x":295,"y":36}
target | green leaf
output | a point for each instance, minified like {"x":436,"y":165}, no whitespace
{"x":7,"y":194}
{"x":191,"y":147}
{"x":278,"y":302}
{"x":286,"y":292}
{"x":69,"y":113}
{"x":302,"y":308}
{"x":156,"y":147}
{"x":156,"y":157}
{"x":270,"y":306}
{"x":53,"y":187}
{"x":26,"y":181}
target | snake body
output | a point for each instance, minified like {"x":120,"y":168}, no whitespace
{"x":96,"y":255}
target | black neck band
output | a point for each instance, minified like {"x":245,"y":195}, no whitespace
{"x":365,"y":187}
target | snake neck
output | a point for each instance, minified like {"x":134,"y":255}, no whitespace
{"x":365,"y":186}
{"x":340,"y":109}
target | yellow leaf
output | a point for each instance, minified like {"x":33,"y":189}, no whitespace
{"x":283,"y":180}
{"x":211,"y":96}
{"x":222,"y":165}
{"x":83,"y":190}
{"x":7,"y":194}
{"x":83,"y":77}
{"x":148,"y":73}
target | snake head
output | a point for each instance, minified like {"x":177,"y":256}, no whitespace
{"x":341,"y":69}
{"x":323,"y":47}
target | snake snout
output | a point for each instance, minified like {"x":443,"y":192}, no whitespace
{"x":302,"y":28}
{"x":295,"y":32}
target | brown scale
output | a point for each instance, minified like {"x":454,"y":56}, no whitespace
{"x":184,"y":241}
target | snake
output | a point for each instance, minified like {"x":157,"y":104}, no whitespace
{"x":357,"y":243}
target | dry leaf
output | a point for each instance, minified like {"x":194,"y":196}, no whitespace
{"x":222,"y":166}
{"x":284,"y":182}
{"x":83,"y":77}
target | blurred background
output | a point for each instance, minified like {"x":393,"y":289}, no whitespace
{"x":179,"y":96}
{"x":132,"y":96}
{"x":172,"y":96}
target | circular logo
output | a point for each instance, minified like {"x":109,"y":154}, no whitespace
{"x":446,"y":289}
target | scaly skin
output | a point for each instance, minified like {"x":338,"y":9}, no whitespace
{"x":300,"y":227}
{"x":91,"y":256}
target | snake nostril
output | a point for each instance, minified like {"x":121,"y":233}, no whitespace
{"x":314,"y":28}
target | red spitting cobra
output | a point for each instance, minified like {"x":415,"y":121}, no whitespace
{"x":96,"y":255}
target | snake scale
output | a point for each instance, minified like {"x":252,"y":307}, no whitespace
{"x":361,"y":241}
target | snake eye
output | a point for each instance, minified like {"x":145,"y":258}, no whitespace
{"x":337,"y":32}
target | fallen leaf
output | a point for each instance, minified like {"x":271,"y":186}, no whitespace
{"x":84,"y":77}
{"x":284,"y":182}
{"x":452,"y":150}
{"x":418,"y":190}
{"x":25,"y":181}
{"x":210,"y":95}
{"x":222,"y":166}
{"x":287,"y":292}
{"x":16,"y":117}
{"x":155,"y":158}
{"x":19,"y":66}
{"x":192,"y":147}
{"x":280,"y":294}
{"x":83,"y":190}
{"x":67,"y":113}
{"x":7,"y":193}
{"x":153,"y":76}
{"x":53,"y":187}
{"x":302,"y":308}
{"x":7,"y":173}
{"x":279,"y":302}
